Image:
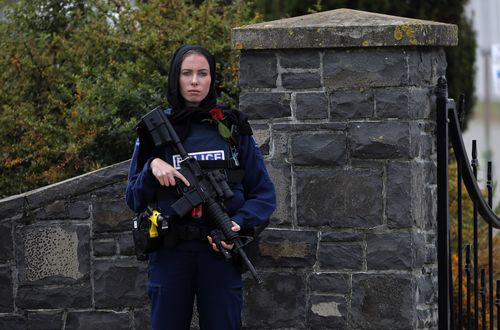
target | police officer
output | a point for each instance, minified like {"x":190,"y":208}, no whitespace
{"x":189,"y":264}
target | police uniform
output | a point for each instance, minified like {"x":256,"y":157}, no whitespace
{"x":191,"y":268}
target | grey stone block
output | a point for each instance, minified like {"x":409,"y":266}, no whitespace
{"x":6,"y":291}
{"x":420,"y":68}
{"x":365,"y":68}
{"x":265,"y":105}
{"x":319,"y":149}
{"x":427,"y":287}
{"x":45,"y":320}
{"x":288,"y":248}
{"x":262,"y":135}
{"x":352,"y":104}
{"x":12,"y":206}
{"x":104,"y":320}
{"x":328,"y":312}
{"x":281,"y":146}
{"x":341,"y":256}
{"x":382,"y":301}
{"x":53,"y":254}
{"x":427,"y":149}
{"x":427,"y":318}
{"x":6,"y":242}
{"x":258,"y":69}
{"x":55,"y":210}
{"x":419,"y":185}
{"x":54,"y":297}
{"x":299,"y":59}
{"x":300,"y":80}
{"x":126,"y":244}
{"x":331,"y":283}
{"x":429,"y":219}
{"x":112,"y":191}
{"x":282,"y":134}
{"x":313,"y":105}
{"x":278,"y":303}
{"x":403,"y":103}
{"x":111,"y":215}
{"x":282,"y":178}
{"x":104,"y":247}
{"x":350,"y":198}
{"x":389,"y":251}
{"x":379,"y":140}
{"x":416,"y":137}
{"x":119,"y":283}
{"x":12,"y":322}
{"x":399,"y":195}
{"x":79,"y":210}
{"x":392,"y":103}
{"x":438,"y":62}
{"x":142,"y":319}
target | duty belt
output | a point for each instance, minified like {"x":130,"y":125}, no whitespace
{"x":189,"y":232}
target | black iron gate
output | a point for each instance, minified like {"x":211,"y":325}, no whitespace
{"x":470,"y":307}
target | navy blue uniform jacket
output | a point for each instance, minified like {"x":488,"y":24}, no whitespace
{"x":254,"y":198}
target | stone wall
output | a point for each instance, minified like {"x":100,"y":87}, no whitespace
{"x":67,"y":258}
{"x":341,"y":104}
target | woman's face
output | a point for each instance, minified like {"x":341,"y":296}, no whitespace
{"x":194,"y":79}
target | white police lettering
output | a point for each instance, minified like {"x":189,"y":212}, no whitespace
{"x":204,"y":155}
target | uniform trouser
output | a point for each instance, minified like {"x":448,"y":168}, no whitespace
{"x":192,"y":269}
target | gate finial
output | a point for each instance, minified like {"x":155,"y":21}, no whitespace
{"x":442,"y":87}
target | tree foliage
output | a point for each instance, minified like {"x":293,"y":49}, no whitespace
{"x":76,"y":75}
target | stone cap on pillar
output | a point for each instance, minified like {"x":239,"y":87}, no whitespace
{"x":344,"y":28}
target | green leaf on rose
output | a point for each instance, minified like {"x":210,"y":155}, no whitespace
{"x":223,"y":130}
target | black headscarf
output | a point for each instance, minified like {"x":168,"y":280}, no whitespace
{"x":182,"y":116}
{"x":174,"y":96}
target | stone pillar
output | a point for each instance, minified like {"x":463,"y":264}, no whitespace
{"x":341,"y":104}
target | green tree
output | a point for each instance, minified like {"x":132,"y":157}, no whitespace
{"x":76,"y":75}
{"x":460,"y":71}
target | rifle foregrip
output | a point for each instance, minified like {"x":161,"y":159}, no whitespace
{"x":224,"y":223}
{"x":221,"y":220}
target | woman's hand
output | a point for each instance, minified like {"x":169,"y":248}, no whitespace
{"x":166,"y":173}
{"x":235,"y":228}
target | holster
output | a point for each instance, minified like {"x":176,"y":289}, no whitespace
{"x":143,"y":242}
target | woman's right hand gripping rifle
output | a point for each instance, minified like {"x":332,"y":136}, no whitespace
{"x":166,"y":173}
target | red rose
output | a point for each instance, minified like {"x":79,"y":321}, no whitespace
{"x":216,"y":114}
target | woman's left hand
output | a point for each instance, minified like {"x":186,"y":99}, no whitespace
{"x":227,"y":246}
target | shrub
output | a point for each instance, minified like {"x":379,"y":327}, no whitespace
{"x":76,"y":76}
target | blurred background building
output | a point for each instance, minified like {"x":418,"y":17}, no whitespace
{"x":485,"y":126}
{"x":485,"y":18}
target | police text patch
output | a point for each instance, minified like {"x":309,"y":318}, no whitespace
{"x":204,"y":155}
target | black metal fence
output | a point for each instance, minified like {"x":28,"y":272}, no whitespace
{"x":468,"y":302}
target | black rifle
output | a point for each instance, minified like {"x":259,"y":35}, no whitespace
{"x":209,"y":188}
